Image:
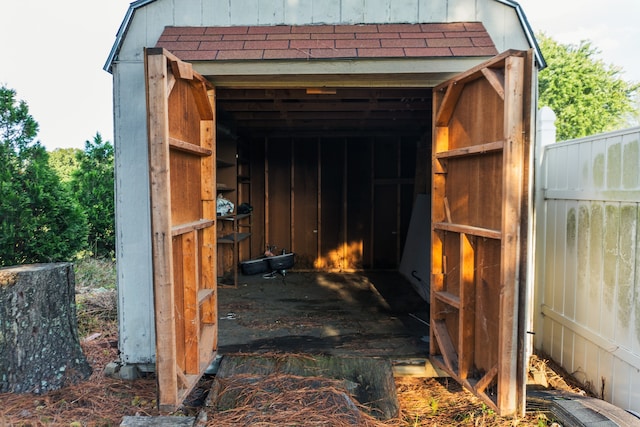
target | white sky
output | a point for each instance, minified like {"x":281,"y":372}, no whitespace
{"x":52,"y":54}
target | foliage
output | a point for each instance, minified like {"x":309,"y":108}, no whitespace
{"x":93,"y":185}
{"x":64,"y":161}
{"x":40,"y":221}
{"x":95,"y":273}
{"x":588,"y":96}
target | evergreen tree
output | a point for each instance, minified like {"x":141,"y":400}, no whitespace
{"x":64,"y":161}
{"x":93,"y":185}
{"x":39,"y":220}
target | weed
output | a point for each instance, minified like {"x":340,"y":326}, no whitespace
{"x":433,"y":403}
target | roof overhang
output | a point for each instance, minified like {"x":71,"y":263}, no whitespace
{"x":404,"y":72}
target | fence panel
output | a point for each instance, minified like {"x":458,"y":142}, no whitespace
{"x":588,"y":262}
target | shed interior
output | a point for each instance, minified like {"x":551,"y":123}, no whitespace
{"x":330,"y":173}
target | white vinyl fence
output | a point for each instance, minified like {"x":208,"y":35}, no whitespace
{"x":587,"y":269}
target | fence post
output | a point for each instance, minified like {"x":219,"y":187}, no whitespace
{"x":545,"y":129}
{"x":545,"y":135}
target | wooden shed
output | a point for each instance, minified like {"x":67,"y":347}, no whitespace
{"x":328,"y":118}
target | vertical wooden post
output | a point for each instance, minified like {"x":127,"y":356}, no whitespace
{"x":510,"y":243}
{"x":157,"y":107}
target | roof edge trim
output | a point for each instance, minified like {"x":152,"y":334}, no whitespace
{"x":124,"y":26}
{"x":528,"y":31}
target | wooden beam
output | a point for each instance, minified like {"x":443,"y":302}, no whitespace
{"x":512,"y":180}
{"x":495,"y":77}
{"x":484,"y":382}
{"x":190,"y":285}
{"x":177,"y":230}
{"x":209,"y":281}
{"x":446,"y":345}
{"x":163,"y":280}
{"x":467,"y":310}
{"x":240,"y":105}
{"x":188,"y":147}
{"x":449,"y":101}
{"x":199,"y":92}
{"x":468,"y":229}
{"x":180,"y":69}
{"x":472,"y":150}
{"x":447,"y":298}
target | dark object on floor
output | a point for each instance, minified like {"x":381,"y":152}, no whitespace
{"x":254,"y":266}
{"x":281,"y":262}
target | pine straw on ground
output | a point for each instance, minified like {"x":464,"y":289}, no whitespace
{"x":276,"y":401}
{"x":284,"y":399}
{"x":97,"y":401}
{"x":103,"y":402}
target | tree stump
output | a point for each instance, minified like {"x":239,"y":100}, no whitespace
{"x":39,"y":345}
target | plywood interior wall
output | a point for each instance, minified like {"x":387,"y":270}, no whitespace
{"x":339,"y":203}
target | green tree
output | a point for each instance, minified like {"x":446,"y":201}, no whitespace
{"x":588,"y":96}
{"x":64,"y":161}
{"x":39,"y":220}
{"x":93,"y":185}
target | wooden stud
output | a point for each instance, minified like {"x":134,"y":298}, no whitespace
{"x":449,"y":101}
{"x":510,"y":249}
{"x":467,"y":312}
{"x":190,"y":301}
{"x":446,"y":345}
{"x":157,"y":107}
{"x":495,"y":77}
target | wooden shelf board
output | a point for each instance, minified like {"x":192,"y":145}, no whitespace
{"x":472,"y":150}
{"x":176,"y":230}
{"x":236,"y":237}
{"x":448,"y":298}
{"x":468,"y":229}
{"x":188,"y":147}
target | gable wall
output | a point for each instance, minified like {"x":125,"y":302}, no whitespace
{"x":149,"y":21}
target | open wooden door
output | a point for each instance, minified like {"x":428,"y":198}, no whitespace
{"x":181,"y":126}
{"x":480,"y":158}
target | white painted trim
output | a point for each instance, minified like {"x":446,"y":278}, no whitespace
{"x":612,"y":196}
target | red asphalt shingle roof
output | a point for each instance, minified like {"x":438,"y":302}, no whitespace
{"x":328,"y":41}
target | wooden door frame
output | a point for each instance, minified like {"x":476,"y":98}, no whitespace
{"x":185,"y":296}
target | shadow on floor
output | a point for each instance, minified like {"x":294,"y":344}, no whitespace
{"x":376,"y":314}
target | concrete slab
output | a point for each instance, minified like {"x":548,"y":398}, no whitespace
{"x":158,"y":422}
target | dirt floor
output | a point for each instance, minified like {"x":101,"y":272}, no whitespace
{"x":335,"y":315}
{"x":374,"y":314}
